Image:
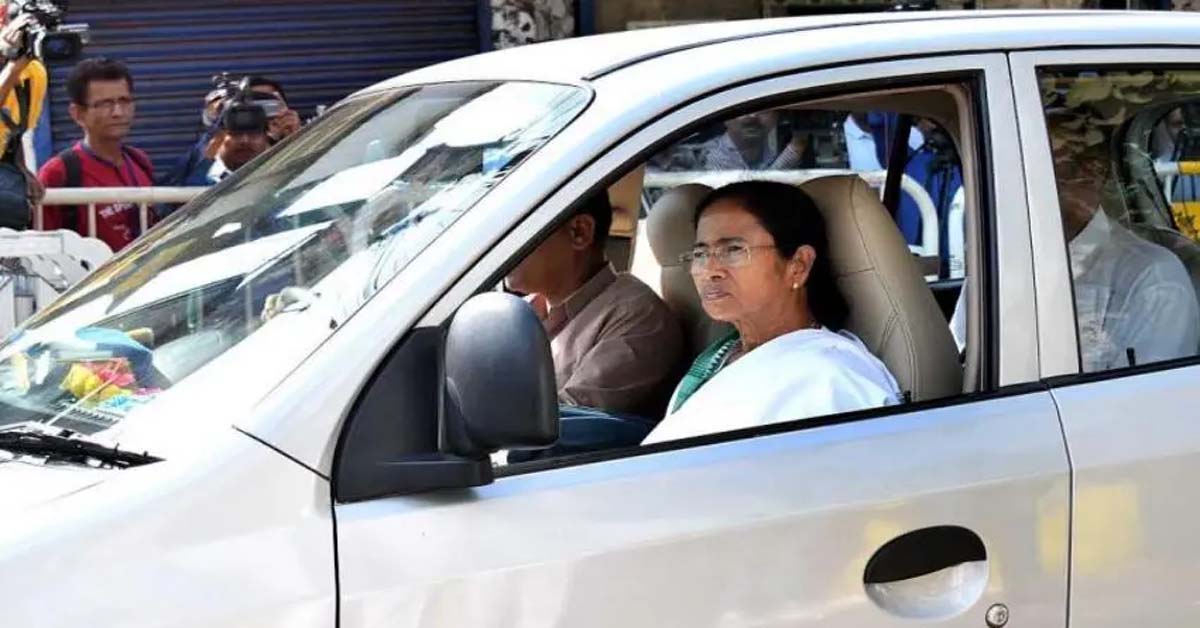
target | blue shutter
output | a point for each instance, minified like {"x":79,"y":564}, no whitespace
{"x":320,"y":51}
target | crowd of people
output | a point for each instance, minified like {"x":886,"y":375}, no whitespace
{"x":104,"y":106}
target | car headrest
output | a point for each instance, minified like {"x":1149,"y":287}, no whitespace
{"x":891,"y":307}
{"x":671,"y":223}
{"x":672,"y":232}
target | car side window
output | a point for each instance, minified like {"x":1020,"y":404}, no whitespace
{"x":1124,"y":145}
{"x":752,"y":232}
{"x":1175,"y":146}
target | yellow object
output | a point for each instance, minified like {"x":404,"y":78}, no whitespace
{"x":35,"y":74}
{"x":1187,"y":217}
{"x":86,"y":386}
{"x":1189,"y":167}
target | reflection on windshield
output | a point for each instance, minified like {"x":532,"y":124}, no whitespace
{"x":322,"y":223}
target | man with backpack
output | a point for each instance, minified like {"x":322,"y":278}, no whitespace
{"x":102,"y":104}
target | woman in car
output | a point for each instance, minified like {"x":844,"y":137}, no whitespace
{"x":761,"y":263}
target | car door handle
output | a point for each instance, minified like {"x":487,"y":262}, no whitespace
{"x":931,"y":573}
{"x":923,"y":552}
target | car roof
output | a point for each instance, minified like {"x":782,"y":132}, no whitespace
{"x":586,"y":58}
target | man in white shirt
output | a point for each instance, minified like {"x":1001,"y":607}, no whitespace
{"x":1134,"y":300}
{"x":860,"y":143}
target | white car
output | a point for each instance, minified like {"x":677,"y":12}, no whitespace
{"x":281,"y":407}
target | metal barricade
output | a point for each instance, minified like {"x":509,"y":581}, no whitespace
{"x":89,"y":198}
{"x":37,"y":266}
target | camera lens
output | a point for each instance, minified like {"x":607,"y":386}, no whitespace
{"x":60,"y":46}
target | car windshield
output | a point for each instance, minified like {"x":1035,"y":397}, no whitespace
{"x":318,"y":225}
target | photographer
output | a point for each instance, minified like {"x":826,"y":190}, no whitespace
{"x":240,"y":140}
{"x":193,"y":168}
{"x":23,"y":83}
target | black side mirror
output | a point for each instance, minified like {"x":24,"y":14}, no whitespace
{"x":499,"y":390}
{"x":441,"y":403}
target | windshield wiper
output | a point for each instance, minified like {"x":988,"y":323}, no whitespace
{"x":38,"y":443}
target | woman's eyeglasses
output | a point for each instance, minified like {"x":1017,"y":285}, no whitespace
{"x":731,"y":255}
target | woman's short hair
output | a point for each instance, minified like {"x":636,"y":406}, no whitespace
{"x":793,"y":220}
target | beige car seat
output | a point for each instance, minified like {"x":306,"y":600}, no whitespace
{"x":671,"y":231}
{"x":891,"y":308}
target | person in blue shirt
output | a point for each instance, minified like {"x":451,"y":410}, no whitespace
{"x":931,"y":162}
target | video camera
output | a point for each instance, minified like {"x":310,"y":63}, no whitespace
{"x":241,"y":109}
{"x":46,"y":37}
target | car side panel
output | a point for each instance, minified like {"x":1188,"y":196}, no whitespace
{"x":770,"y":531}
{"x":234,"y":534}
{"x":1135,"y":449}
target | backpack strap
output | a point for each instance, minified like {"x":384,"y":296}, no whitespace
{"x":74,"y":168}
{"x":141,"y":161}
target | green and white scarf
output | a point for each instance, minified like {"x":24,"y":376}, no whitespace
{"x":705,"y":367}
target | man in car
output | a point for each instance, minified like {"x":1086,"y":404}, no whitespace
{"x":616,"y":345}
{"x":1134,"y":300}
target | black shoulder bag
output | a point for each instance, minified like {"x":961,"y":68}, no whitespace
{"x":16,"y":209}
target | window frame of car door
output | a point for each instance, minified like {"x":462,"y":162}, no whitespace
{"x":1008,"y":370}
{"x":1058,"y":340}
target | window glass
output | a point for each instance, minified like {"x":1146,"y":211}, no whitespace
{"x":692,"y":341}
{"x":794,"y":145}
{"x":1124,"y":144}
{"x":310,"y":232}
{"x":1175,"y":146}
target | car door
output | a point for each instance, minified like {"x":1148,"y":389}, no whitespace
{"x":1130,"y":423}
{"x":952,"y":511}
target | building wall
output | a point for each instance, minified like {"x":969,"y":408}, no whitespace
{"x":619,"y":15}
{"x":517,"y":22}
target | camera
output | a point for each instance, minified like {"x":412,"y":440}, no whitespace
{"x":240,"y":111}
{"x":47,"y":37}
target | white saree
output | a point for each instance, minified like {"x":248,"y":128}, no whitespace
{"x":802,"y":374}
